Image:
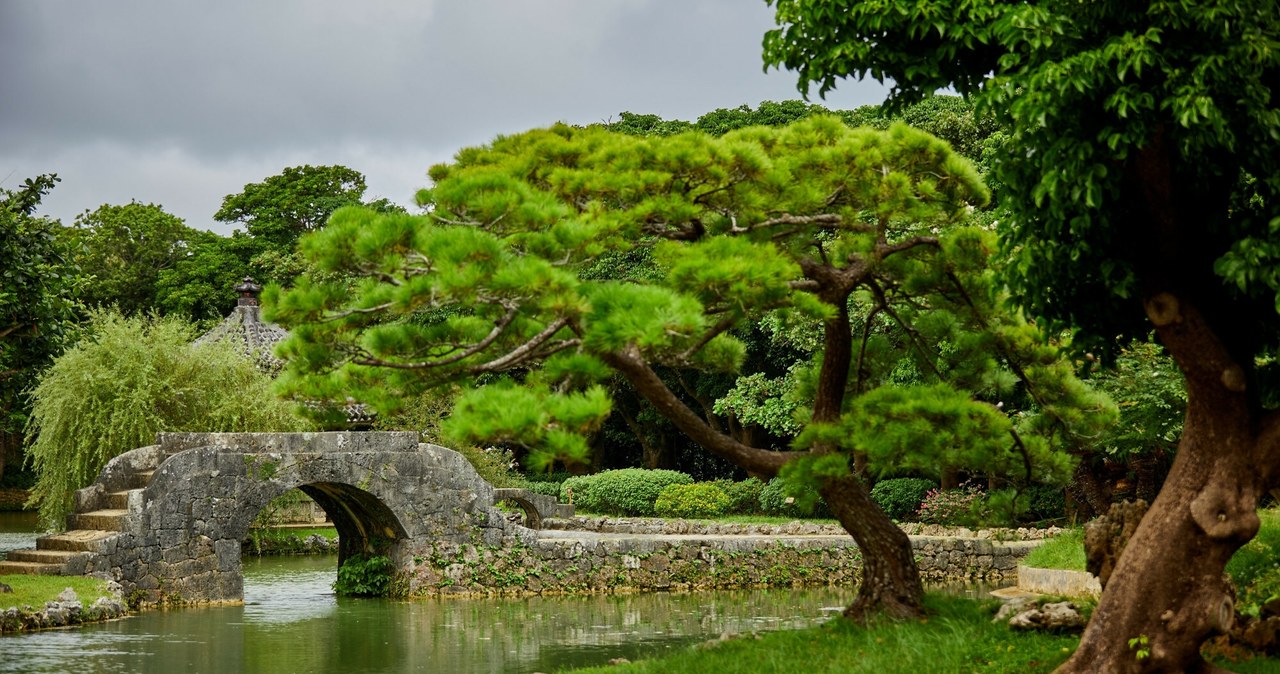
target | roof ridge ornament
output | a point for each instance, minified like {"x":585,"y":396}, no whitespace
{"x":248,"y":293}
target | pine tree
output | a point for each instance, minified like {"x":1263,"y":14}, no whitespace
{"x":811,"y":227}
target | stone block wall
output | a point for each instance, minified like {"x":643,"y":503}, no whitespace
{"x":637,"y":564}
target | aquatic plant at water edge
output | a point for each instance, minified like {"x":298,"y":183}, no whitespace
{"x":362,"y":576}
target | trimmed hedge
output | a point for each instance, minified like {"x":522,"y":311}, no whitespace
{"x":1045,"y":502}
{"x":900,"y":497}
{"x":699,"y":500}
{"x":629,"y":491}
{"x":774,"y":496}
{"x":744,"y":496}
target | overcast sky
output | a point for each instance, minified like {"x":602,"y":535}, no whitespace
{"x":182,"y":103}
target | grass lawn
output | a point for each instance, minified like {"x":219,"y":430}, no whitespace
{"x":35,"y":590}
{"x":1065,"y":551}
{"x":958,"y":638}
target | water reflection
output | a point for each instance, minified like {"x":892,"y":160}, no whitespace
{"x":291,"y":622}
{"x":18,"y":530}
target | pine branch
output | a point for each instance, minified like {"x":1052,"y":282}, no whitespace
{"x":641,"y":376}
{"x":525,"y":351}
{"x":498,"y":329}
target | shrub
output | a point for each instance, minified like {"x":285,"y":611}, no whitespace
{"x":783,"y":499}
{"x":691,"y":501}
{"x":744,"y":495}
{"x":952,"y":506}
{"x":900,"y":497}
{"x":1044,"y":502}
{"x":555,"y":478}
{"x":545,"y":488}
{"x":494,"y":464}
{"x":128,"y":379}
{"x":362,"y":576}
{"x":630,"y":491}
{"x":577,"y":490}
{"x":1254,"y":568}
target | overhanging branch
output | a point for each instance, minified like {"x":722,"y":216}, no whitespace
{"x":633,"y":367}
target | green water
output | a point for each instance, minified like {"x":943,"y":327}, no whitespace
{"x":291,"y":622}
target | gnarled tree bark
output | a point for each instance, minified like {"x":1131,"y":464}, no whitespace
{"x":1168,"y":584}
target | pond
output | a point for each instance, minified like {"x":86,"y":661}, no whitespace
{"x":292,"y":622}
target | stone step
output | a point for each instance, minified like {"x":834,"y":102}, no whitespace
{"x":119,"y":500}
{"x":80,"y":540}
{"x":102,"y":520}
{"x":142,"y":478}
{"x":58,"y":557}
{"x":30,"y":568}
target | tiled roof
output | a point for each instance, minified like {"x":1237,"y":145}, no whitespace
{"x":257,"y":339}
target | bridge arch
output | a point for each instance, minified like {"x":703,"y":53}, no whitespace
{"x":365,"y":523}
{"x":180,"y":538}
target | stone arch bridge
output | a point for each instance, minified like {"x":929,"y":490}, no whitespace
{"x":167,"y":520}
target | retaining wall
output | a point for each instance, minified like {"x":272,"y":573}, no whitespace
{"x":568,"y":562}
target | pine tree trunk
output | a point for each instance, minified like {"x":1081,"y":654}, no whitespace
{"x":890,"y":580}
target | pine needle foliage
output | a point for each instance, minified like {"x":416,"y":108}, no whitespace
{"x":125,"y":381}
{"x":755,"y":226}
{"x":858,"y":242}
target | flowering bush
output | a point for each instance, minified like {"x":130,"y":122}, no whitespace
{"x":952,"y":506}
{"x":900,"y":498}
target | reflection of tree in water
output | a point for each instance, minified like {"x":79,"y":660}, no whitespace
{"x":519,"y":635}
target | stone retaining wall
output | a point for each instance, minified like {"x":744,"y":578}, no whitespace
{"x":12,"y":499}
{"x":599,"y":564}
{"x":1058,"y":582}
{"x":658,"y":526}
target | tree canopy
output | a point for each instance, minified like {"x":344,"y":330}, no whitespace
{"x":1142,"y":176}
{"x":39,"y":287}
{"x":125,"y":249}
{"x":796,"y":225}
{"x":298,"y":200}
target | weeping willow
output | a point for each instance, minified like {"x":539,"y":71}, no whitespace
{"x":128,"y":379}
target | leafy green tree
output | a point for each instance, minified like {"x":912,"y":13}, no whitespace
{"x":201,"y":286}
{"x":300,"y":199}
{"x":787,"y":224}
{"x":1147,"y":387}
{"x":125,"y":249}
{"x":1142,"y":173}
{"x":39,"y":285}
{"x":126,"y":380}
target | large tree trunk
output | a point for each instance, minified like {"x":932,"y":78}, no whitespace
{"x":1087,"y":489}
{"x":890,"y":580}
{"x":1168,"y":584}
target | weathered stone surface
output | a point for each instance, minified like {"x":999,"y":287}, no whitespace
{"x":192,"y":497}
{"x":426,"y":508}
{"x":1106,"y":536}
{"x":1059,"y":616}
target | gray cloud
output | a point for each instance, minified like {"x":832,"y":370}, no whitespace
{"x":182,"y":103}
